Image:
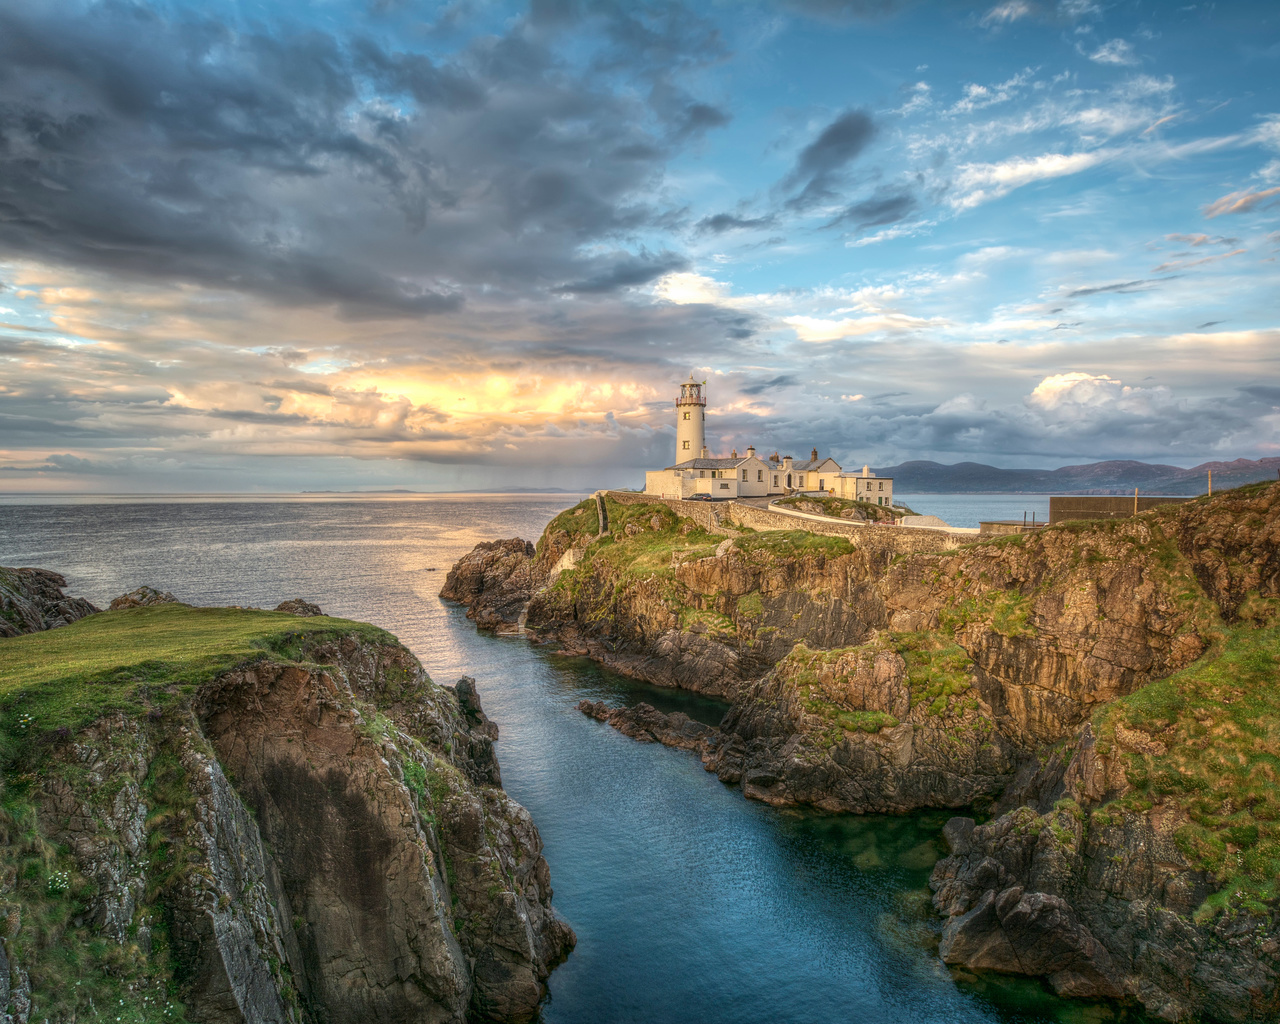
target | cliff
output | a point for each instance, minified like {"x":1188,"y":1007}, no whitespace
{"x":1015,"y":675}
{"x":229,"y":815}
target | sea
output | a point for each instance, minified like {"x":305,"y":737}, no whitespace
{"x":690,"y":902}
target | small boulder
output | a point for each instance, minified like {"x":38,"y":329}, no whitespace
{"x":299,"y":607}
{"x":143,"y":597}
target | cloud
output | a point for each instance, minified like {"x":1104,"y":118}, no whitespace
{"x":1267,"y":133}
{"x":887,"y":206}
{"x":1004,"y":13}
{"x":625,"y":270}
{"x":816,"y":329}
{"x":684,"y":289}
{"x":1115,"y":51}
{"x":978,"y":183}
{"x":1119,"y":287}
{"x":721,"y":222}
{"x":1264,"y":392}
{"x":781,"y":381}
{"x":1181,"y":264}
{"x":821,"y":161}
{"x":313,"y":164}
{"x":1073,"y":390}
{"x":976,"y":97}
{"x":1196,"y":241}
{"x":1241,"y":202}
{"x":842,"y":12}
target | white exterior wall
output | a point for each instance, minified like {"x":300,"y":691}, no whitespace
{"x":753,"y":478}
{"x":668,"y":483}
{"x":824,"y":479}
{"x":691,"y":433}
{"x":876,"y":489}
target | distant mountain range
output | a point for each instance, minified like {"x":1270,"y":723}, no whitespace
{"x":1117,"y":477}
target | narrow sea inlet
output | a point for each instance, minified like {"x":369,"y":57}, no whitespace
{"x":690,"y":902}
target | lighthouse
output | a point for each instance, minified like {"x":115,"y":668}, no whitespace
{"x":691,"y":420}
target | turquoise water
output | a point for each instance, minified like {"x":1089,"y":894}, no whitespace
{"x":690,"y":902}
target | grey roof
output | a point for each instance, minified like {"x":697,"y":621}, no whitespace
{"x":807,"y":465}
{"x":710,"y":463}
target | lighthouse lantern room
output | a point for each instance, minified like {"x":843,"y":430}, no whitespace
{"x":691,"y":420}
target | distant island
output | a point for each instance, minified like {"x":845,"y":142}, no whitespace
{"x":1114,"y":477}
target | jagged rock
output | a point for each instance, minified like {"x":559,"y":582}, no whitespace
{"x":495,"y":581}
{"x":646,"y":723}
{"x":883,"y":678}
{"x":299,"y":607}
{"x":143,"y":597}
{"x":32,"y":600}
{"x":362,"y":866}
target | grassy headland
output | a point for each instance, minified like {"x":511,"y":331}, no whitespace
{"x":138,"y":658}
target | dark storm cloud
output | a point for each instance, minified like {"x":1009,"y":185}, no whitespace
{"x":818,"y":167}
{"x":313,"y":167}
{"x":627,"y":271}
{"x":885,"y":207}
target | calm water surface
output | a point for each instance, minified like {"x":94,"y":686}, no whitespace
{"x":971,"y":509}
{"x":690,"y":903}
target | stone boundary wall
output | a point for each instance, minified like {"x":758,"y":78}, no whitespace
{"x":1080,"y":506}
{"x":716,"y":516}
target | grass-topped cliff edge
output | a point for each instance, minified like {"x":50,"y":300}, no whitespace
{"x":140,"y":659}
{"x":208,"y":813}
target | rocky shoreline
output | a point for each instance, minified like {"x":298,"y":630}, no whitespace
{"x":1015,"y":676}
{"x":317,"y":832}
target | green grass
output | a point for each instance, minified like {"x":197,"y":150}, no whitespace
{"x":580,"y":522}
{"x":937,"y":668}
{"x":1007,"y":611}
{"x":141,"y":658}
{"x":804,"y":668}
{"x":1219,"y":721}
{"x":794,"y":544}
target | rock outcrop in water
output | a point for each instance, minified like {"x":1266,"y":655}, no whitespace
{"x":867,"y":678}
{"x":32,"y":600}
{"x":316,"y":834}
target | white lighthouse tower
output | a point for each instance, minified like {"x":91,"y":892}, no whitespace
{"x":691,"y":420}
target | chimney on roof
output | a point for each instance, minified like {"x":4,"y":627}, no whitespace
{"x":751,"y":451}
{"x":866,"y":470}
{"x":774,"y":458}
{"x":705,"y":453}
{"x":733,"y":454}
{"x":813,"y":456}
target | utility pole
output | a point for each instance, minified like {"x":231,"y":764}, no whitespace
{"x":1211,"y":483}
{"x":1135,"y":501}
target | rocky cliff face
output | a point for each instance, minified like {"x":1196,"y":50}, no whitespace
{"x":866,"y":679}
{"x":319,"y":837}
{"x":32,"y":600}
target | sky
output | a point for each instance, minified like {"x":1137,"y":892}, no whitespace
{"x":283,"y":246}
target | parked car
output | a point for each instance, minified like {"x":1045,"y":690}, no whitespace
{"x":700,"y":497}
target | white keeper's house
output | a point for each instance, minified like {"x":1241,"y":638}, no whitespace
{"x":696,"y":471}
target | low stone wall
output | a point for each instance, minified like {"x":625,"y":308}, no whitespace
{"x":716,"y":516}
{"x":1087,"y":506}
{"x":709,"y":515}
